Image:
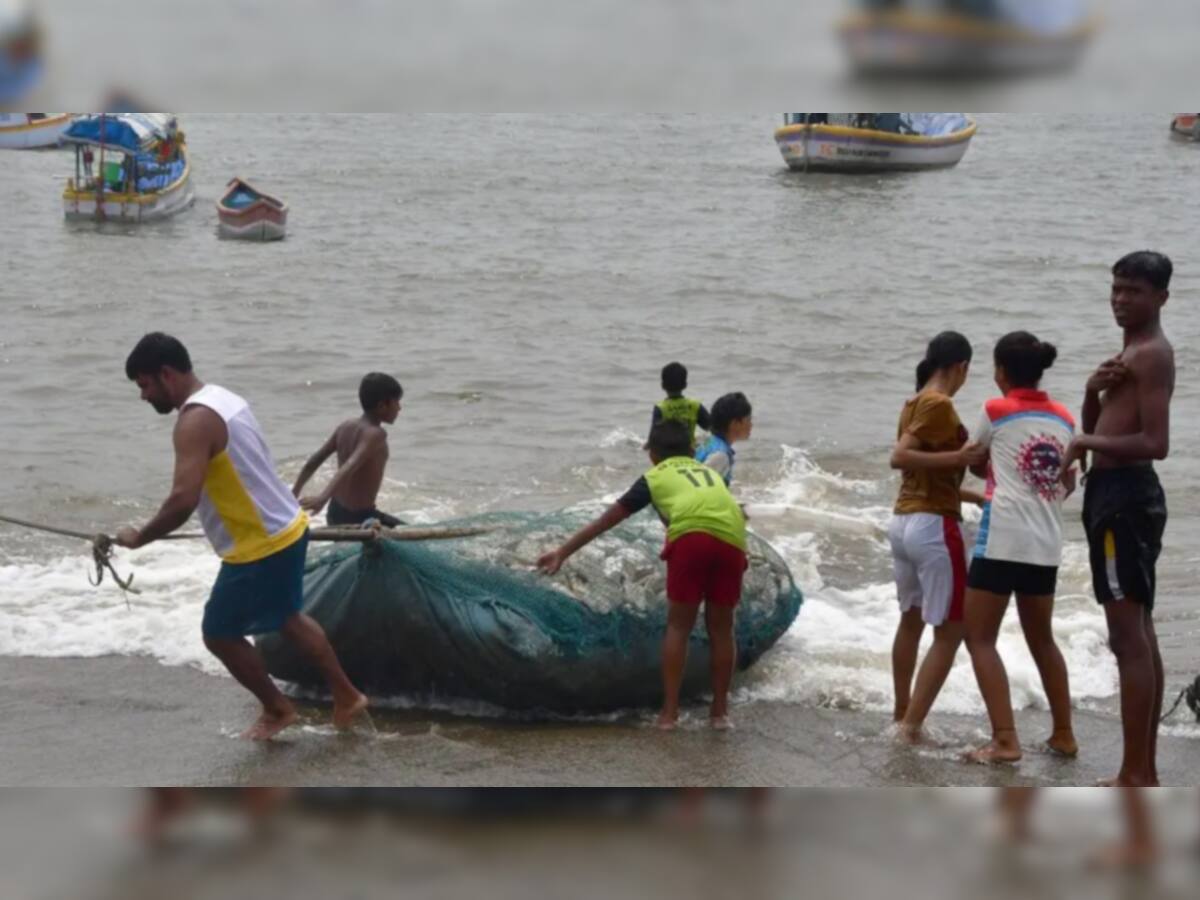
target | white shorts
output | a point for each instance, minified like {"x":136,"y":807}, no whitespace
{"x":929,"y":561}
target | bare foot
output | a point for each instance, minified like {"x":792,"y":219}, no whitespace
{"x":666,"y":721}
{"x":909,"y":734}
{"x":720,"y":723}
{"x":1122,"y":781}
{"x":993,"y":753}
{"x":1062,"y":745}
{"x":1134,"y":855}
{"x":344,"y":713}
{"x":270,"y":724}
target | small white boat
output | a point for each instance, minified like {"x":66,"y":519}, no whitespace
{"x":1186,"y":125}
{"x":249,"y":214}
{"x":129,"y":167}
{"x":1000,"y":37}
{"x":873,"y":142}
{"x":29,"y":131}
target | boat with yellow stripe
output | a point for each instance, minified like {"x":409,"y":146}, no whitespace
{"x":873,"y":142}
{"x":29,"y":131}
{"x":995,"y":37}
{"x":129,"y":167}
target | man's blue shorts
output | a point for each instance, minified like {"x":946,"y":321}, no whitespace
{"x":256,"y":597}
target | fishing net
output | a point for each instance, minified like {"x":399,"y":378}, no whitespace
{"x":468,"y":619}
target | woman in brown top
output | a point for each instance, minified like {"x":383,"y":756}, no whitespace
{"x":929,"y":556}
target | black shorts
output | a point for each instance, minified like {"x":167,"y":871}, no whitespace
{"x":1001,"y":576}
{"x":339,"y":515}
{"x":1124,"y":516}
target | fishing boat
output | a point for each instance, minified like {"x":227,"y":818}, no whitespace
{"x":1186,"y":125}
{"x":997,"y":37}
{"x":28,"y":131}
{"x":142,"y":172}
{"x":247,"y":213}
{"x":873,"y":142}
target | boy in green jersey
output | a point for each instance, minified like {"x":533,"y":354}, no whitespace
{"x":705,"y":554}
{"x":676,"y":407}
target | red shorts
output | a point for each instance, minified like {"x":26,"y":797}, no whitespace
{"x":700,"y":566}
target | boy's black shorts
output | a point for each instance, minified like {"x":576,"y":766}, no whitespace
{"x":339,"y":515}
{"x":1124,"y":516}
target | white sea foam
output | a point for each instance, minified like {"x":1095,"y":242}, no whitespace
{"x":836,"y":654}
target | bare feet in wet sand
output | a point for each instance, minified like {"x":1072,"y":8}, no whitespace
{"x":720,"y":723}
{"x":270,"y":724}
{"x":666,"y":721}
{"x":1120,"y":781}
{"x":993,"y":753}
{"x":1062,"y":745}
{"x":347,"y":710}
{"x":912,"y":735}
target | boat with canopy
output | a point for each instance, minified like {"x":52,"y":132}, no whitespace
{"x":873,"y":142}
{"x":129,"y":167}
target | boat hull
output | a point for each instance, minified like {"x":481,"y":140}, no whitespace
{"x":151,"y":206}
{"x":260,"y":222}
{"x":47,"y":132}
{"x":833,"y":148}
{"x":1186,"y":125}
{"x":906,"y":44}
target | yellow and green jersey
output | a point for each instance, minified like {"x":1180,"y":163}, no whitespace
{"x":690,"y":497}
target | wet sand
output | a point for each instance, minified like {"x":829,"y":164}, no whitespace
{"x":127,"y":721}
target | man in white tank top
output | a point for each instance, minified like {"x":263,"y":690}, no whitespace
{"x":224,"y":470}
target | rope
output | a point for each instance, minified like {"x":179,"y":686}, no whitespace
{"x":103,"y":545}
{"x":1178,"y":700}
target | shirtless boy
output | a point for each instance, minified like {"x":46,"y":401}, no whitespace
{"x":1126,"y":426}
{"x":362,"y":454}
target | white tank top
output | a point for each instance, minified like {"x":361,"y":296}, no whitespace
{"x":247,"y":511}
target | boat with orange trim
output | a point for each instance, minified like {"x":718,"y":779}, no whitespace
{"x":249,"y":214}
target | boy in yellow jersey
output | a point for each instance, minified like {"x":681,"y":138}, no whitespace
{"x":676,"y":407}
{"x":705,"y":554}
{"x":224,"y":470}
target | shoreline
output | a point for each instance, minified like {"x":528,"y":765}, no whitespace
{"x":132,"y":721}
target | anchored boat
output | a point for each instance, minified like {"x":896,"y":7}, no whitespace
{"x":129,"y":167}
{"x":903,"y":37}
{"x":873,"y":142}
{"x":247,"y":213}
{"x":1186,"y":125}
{"x":30,"y":131}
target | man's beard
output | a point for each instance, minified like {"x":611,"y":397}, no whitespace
{"x":162,"y":408}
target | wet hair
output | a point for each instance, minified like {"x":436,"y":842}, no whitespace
{"x":669,"y":439}
{"x":154,"y":352}
{"x":728,"y":408}
{"x":1024,"y":358}
{"x":1146,"y":265}
{"x":947,"y":349}
{"x":674,"y":378}
{"x":376,"y":388}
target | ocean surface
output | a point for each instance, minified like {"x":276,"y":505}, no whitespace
{"x":526,"y":277}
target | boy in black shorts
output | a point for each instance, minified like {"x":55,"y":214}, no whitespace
{"x":1126,"y":426}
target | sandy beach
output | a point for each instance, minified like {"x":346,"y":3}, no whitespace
{"x":125,"y":721}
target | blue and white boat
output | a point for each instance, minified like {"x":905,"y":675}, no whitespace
{"x":129,"y":167}
{"x":873,"y":142}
